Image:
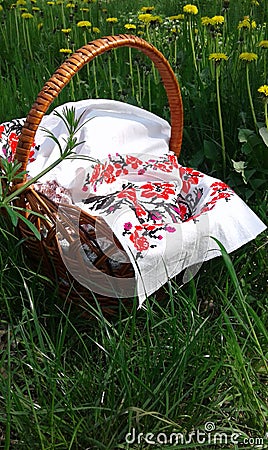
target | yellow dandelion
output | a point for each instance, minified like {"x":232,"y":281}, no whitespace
{"x":205,"y":21}
{"x":84,"y":9}
{"x":83,"y":24}
{"x":255,"y":3}
{"x":263,"y":44}
{"x":144,"y":17}
{"x":147,"y":9}
{"x":156,"y":19}
{"x":35,"y":8}
{"x":177,"y":17}
{"x":1,"y":8}
{"x":96,"y":30}
{"x":248,"y":57}
{"x":65,"y":50}
{"x":50,"y":3}
{"x":27,"y":16}
{"x":246,"y":24}
{"x":23,"y":10}
{"x":21,"y":2}
{"x":112,"y":20}
{"x":190,"y":9}
{"x":70,"y":5}
{"x":33,"y":1}
{"x":130,"y":26}
{"x":263,"y":90}
{"x":217,"y":57}
{"x":217,"y":20}
{"x":66,"y":30}
{"x":40,"y":25}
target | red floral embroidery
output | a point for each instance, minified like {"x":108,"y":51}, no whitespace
{"x":159,"y":190}
{"x":133,"y":161}
{"x":130,"y":194}
{"x":96,"y":172}
{"x":189,"y":176}
{"x":164,"y":167}
{"x":108,"y":174}
{"x":1,"y":130}
{"x":13,"y":141}
{"x":173,"y":160}
{"x":140,"y":242}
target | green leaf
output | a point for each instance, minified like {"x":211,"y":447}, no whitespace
{"x":243,"y":134}
{"x":12,"y":214}
{"x":31,"y":226}
{"x":210,"y":150}
{"x":264,"y":134}
{"x":239,"y":167}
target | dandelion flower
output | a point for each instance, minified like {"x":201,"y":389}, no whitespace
{"x":112,"y":20}
{"x":50,"y":3}
{"x":40,"y":26}
{"x":205,"y":21}
{"x":27,"y":16}
{"x":217,"y":57}
{"x":248,"y":57}
{"x":84,"y":9}
{"x":263,"y":44}
{"x":145,"y":17}
{"x":177,"y":17}
{"x":1,"y":8}
{"x":255,"y":2}
{"x":65,"y":50}
{"x":190,"y":9}
{"x":66,"y":30}
{"x":70,"y":5}
{"x":147,"y":9}
{"x":83,"y":24}
{"x":130,"y":26}
{"x":96,"y":30}
{"x":247,"y":24}
{"x":264,"y":90}
{"x":21,"y":2}
{"x":35,"y":8}
{"x":217,"y":20}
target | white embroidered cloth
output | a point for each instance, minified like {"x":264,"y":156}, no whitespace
{"x":165,"y":215}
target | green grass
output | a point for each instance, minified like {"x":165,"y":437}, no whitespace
{"x":198,"y":356}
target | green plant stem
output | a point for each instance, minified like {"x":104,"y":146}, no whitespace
{"x":220,"y":118}
{"x":250,"y":98}
{"x":192,"y":43}
{"x":110,"y":77}
{"x":266,"y":114}
{"x":131,"y":71}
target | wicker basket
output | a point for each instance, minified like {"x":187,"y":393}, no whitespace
{"x":46,"y":253}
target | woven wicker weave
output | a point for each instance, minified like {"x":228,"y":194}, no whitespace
{"x":46,"y":252}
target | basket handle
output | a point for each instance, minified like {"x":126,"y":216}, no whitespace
{"x":74,"y":63}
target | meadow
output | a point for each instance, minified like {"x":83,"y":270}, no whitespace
{"x":197,"y":361}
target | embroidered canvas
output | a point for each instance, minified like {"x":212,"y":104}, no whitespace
{"x":165,"y":215}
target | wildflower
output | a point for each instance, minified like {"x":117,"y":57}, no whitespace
{"x":156,"y":19}
{"x":70,"y":5}
{"x":1,"y":8}
{"x":21,"y":2}
{"x":50,"y":3}
{"x":205,"y":21}
{"x":190,"y":9}
{"x":248,"y":57}
{"x":217,"y":20}
{"x":27,"y":16}
{"x":23,"y":10}
{"x":246,"y":24}
{"x":66,"y":30}
{"x":263,"y":44}
{"x":255,"y":3}
{"x":177,"y":17}
{"x":83,"y":24}
{"x":264,"y":90}
{"x":40,"y":26}
{"x":35,"y":8}
{"x":130,"y":26}
{"x":112,"y":20}
{"x":147,"y":9}
{"x":65,"y":50}
{"x":217,"y":57}
{"x":84,"y":9}
{"x":145,"y":17}
{"x":96,"y":30}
